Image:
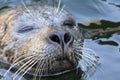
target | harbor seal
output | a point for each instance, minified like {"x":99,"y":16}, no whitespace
{"x":41,"y":40}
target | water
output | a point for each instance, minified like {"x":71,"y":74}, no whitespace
{"x":109,"y":57}
{"x":8,"y":77}
{"x":101,"y":20}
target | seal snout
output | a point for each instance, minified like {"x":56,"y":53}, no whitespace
{"x":62,"y":39}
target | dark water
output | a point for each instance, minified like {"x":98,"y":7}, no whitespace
{"x":101,"y":22}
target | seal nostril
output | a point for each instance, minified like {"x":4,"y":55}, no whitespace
{"x":55,"y":38}
{"x":67,"y":38}
{"x":61,"y":38}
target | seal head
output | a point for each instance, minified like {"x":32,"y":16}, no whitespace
{"x":40,"y":40}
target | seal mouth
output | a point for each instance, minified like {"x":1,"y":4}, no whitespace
{"x":59,"y":66}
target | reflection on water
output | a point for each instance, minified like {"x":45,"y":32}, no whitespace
{"x":109,"y":57}
{"x":101,"y":29}
{"x":100,"y":20}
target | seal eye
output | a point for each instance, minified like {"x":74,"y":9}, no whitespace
{"x":25,"y":29}
{"x":69,"y":23}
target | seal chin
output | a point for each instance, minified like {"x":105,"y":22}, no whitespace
{"x":58,"y":67}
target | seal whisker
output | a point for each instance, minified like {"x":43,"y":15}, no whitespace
{"x":39,"y":67}
{"x":78,"y":55}
{"x":50,"y":60}
{"x":90,"y":65}
{"x":22,"y":56}
{"x":93,"y":64}
{"x":27,"y":9}
{"x":37,"y":71}
{"x":89,"y":62}
{"x":25,"y":64}
{"x":73,"y":57}
{"x":42,"y":69}
{"x":61,"y":9}
{"x":59,"y":3}
{"x":23,"y":67}
{"x":28,"y":69}
{"x":48,"y":65}
{"x":81,"y":64}
{"x":90,"y":58}
{"x":14,"y":64}
{"x":88,"y":68}
{"x":25,"y":6}
{"x":91,"y":55}
{"x":77,"y":59}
